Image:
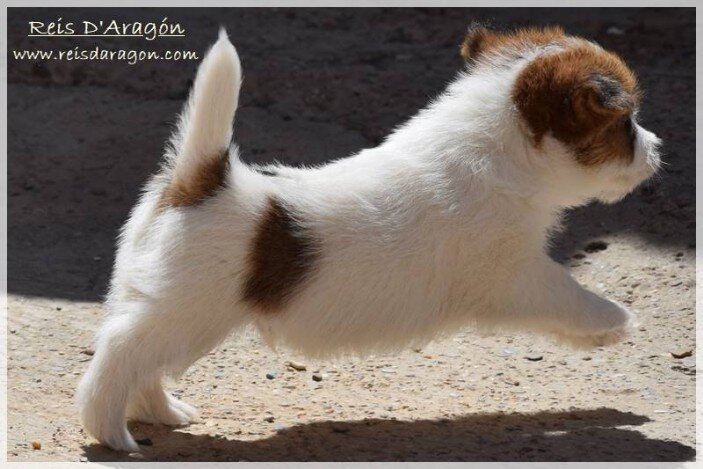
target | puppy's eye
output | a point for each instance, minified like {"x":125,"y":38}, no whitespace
{"x":629,"y":129}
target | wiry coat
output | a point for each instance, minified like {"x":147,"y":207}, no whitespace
{"x":442,"y":226}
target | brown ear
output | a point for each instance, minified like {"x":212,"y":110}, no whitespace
{"x":595,"y":101}
{"x":603,"y":95}
{"x":475,"y":42}
{"x":574,"y":94}
{"x":480,"y":40}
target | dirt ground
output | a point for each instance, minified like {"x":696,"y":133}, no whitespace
{"x":321,"y":84}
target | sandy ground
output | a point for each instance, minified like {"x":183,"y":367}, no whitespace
{"x":321,"y":84}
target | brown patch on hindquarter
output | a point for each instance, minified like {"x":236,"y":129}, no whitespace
{"x":281,"y":257}
{"x":583,"y":97}
{"x":208,"y":178}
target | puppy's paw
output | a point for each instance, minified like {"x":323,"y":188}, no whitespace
{"x":117,"y":438}
{"x":162,"y":409}
{"x":609,"y":324}
{"x":175,"y":414}
{"x":190,"y":412}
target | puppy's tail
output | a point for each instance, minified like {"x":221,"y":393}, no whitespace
{"x":198,"y":153}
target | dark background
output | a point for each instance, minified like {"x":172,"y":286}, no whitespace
{"x":319,"y":84}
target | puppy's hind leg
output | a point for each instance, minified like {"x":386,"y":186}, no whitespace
{"x":104,"y":390}
{"x":142,"y":340}
{"x":134,"y":350}
{"x":185,"y":343}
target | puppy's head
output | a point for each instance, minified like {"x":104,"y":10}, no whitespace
{"x":577,"y":106}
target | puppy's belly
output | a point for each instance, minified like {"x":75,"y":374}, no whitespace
{"x":365,"y":302}
{"x":360,"y":320}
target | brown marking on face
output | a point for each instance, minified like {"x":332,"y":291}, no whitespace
{"x":480,"y":43}
{"x":584,"y":97}
{"x":208,"y":178}
{"x":281,"y":258}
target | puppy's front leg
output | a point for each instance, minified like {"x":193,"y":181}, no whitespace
{"x":546,"y":298}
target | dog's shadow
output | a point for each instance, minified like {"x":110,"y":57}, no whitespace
{"x":582,"y":435}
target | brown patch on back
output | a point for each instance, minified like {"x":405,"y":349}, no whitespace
{"x":583,"y":97}
{"x":481,"y":42}
{"x":207,"y":179}
{"x":281,"y":258}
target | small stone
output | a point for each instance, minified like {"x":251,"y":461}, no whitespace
{"x":340,"y":428}
{"x":83,"y":459}
{"x":615,"y":31}
{"x":296,"y":366}
{"x":534,"y":357}
{"x":689,"y":362}
{"x":682,"y":353}
{"x":587,"y":358}
{"x":89,"y":351}
{"x":269,"y":418}
{"x":270,"y":375}
{"x":685,"y":370}
{"x":595,"y":246}
{"x":317,"y":377}
{"x":136,"y":455}
{"x":36,"y":445}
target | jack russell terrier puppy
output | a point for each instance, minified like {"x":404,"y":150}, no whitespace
{"x":441,"y":227}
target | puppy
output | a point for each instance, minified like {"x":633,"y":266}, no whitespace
{"x":441,"y":227}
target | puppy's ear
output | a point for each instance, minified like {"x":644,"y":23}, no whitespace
{"x":603,"y":96}
{"x":475,"y":41}
{"x":574,"y":94}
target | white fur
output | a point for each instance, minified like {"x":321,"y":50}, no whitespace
{"x":441,"y":227}
{"x":205,"y":127}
